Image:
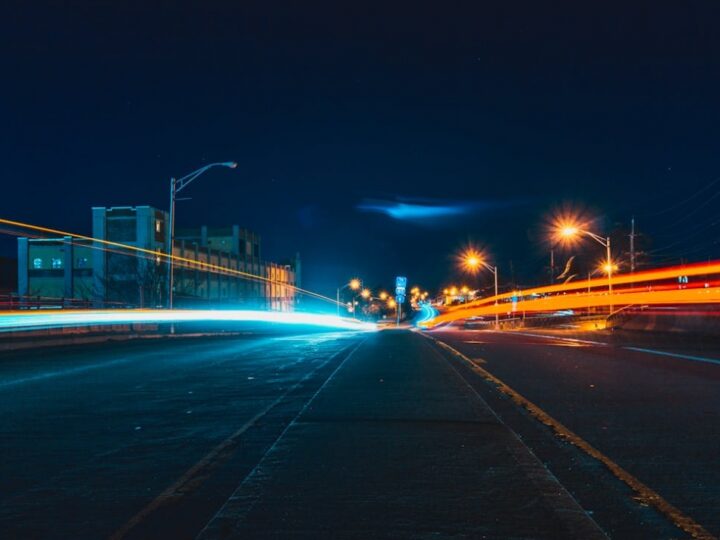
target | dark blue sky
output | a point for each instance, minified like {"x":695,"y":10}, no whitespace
{"x":512,"y":107}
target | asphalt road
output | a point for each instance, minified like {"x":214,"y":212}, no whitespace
{"x":652,"y":407}
{"x":92,"y":435}
{"x":348,"y":435}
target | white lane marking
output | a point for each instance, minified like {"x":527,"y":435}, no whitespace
{"x":215,"y":455}
{"x":251,"y":499}
{"x":574,"y":340}
{"x":70,"y":371}
{"x":676,"y":355}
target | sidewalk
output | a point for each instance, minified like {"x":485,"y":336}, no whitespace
{"x":397,"y":445}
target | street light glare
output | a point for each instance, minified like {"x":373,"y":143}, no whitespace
{"x":231,"y":164}
{"x":354,"y":284}
{"x":569,"y":230}
{"x":365,"y":293}
{"x":471,"y":260}
{"x":607,"y":268}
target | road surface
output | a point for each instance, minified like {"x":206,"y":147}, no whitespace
{"x":352,"y":435}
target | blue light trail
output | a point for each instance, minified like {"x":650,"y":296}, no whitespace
{"x":37,"y":320}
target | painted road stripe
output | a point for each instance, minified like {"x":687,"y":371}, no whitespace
{"x":646,"y":495}
{"x":249,"y":500}
{"x":197,"y":473}
{"x":573,"y":340}
{"x":676,"y":355}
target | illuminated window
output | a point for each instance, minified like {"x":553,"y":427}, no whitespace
{"x":37,"y":263}
{"x":57,"y":263}
{"x":158,"y":225}
{"x":82,"y":262}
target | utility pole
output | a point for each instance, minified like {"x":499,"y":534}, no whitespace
{"x":632,"y":245}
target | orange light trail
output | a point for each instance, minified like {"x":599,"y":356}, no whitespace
{"x":643,"y":291}
{"x":187,"y":263}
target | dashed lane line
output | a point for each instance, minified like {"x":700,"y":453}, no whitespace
{"x":196,"y":474}
{"x":675,"y":355}
{"x":573,"y":340}
{"x":249,"y":501}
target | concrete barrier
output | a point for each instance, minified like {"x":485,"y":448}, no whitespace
{"x":700,"y":320}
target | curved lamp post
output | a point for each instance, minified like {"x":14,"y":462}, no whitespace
{"x":177,"y":185}
{"x":473,"y":262}
{"x":571,"y":231}
{"x":353,"y":284}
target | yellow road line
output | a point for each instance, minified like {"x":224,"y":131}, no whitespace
{"x":645,"y":494}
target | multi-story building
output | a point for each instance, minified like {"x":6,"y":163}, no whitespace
{"x":211,"y":265}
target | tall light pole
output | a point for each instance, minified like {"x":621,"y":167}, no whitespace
{"x":354,"y":284}
{"x":177,"y":185}
{"x":571,"y":231}
{"x":472,"y":261}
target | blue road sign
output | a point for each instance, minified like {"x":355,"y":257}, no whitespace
{"x":400,"y":286}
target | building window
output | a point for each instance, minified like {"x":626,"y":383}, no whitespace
{"x":57,"y":263}
{"x":37,"y":263}
{"x":121,"y":230}
{"x":82,"y":262}
{"x":158,"y":226}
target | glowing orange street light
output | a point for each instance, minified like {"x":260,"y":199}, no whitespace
{"x":391,"y":303}
{"x":471,"y":260}
{"x":570,"y":230}
{"x":383,"y":295}
{"x":609,"y":268}
{"x":465,"y":289}
{"x":365,"y":293}
{"x":353,"y":284}
{"x":453,"y":291}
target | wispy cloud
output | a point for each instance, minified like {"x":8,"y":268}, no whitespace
{"x":429,"y":210}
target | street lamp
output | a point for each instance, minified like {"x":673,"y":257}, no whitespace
{"x":472,"y":261}
{"x":177,"y":185}
{"x":353,"y":284}
{"x":570,"y":231}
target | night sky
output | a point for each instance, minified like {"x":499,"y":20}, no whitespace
{"x":375,"y":139}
